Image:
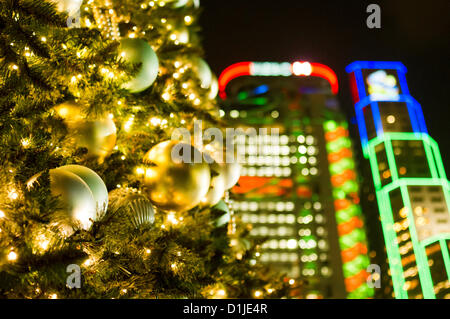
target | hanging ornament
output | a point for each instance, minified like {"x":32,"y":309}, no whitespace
{"x":142,"y":211}
{"x":230,"y":167}
{"x":139,"y":51}
{"x":214,"y":88}
{"x":217,"y":185}
{"x":136,"y":207}
{"x":97,"y":135}
{"x":95,"y":183}
{"x":201,"y":68}
{"x":69,"y":6}
{"x":232,"y":171}
{"x":172,"y":178}
{"x":78,"y":201}
{"x":220,"y":213}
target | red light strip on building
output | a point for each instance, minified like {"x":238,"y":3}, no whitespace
{"x":298,"y":68}
{"x":230,"y":73}
{"x":324,"y":72}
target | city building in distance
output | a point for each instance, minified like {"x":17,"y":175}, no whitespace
{"x":411,"y":186}
{"x":299,"y":189}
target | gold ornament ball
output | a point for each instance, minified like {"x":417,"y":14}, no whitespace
{"x":174,"y":183}
{"x":97,"y":135}
{"x":217,"y":186}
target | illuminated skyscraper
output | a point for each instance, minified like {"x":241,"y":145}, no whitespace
{"x":411,"y":186}
{"x":299,"y":188}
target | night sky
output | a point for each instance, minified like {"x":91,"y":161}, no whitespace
{"x":334,"y":33}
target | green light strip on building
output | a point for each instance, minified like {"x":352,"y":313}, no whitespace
{"x":438,"y":178}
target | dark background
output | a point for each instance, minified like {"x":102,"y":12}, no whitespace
{"x":334,"y":33}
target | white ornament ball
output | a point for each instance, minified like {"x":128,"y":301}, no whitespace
{"x":232,"y":172}
{"x":228,"y":162}
{"x":201,"y":68}
{"x":217,"y":184}
{"x":77,"y":199}
{"x":95,"y":183}
{"x":139,"y":51}
{"x":82,"y":192}
{"x":214,"y":88}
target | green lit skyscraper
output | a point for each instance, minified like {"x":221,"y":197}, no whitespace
{"x":411,"y":186}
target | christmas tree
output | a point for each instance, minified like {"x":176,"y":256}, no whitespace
{"x":91,"y":204}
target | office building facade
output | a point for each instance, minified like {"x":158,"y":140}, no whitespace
{"x":298,"y":187}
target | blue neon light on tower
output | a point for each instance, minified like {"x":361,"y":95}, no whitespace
{"x":363,"y":98}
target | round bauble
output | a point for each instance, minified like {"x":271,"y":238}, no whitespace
{"x":141,"y":211}
{"x":217,"y":184}
{"x":173,"y":179}
{"x":214,"y":88}
{"x":97,"y":135}
{"x":232,"y":172}
{"x":201,"y":68}
{"x":135,"y":206}
{"x":230,"y":167}
{"x":75,"y":195}
{"x":139,"y":51}
{"x":69,"y":6}
{"x":95,"y":183}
